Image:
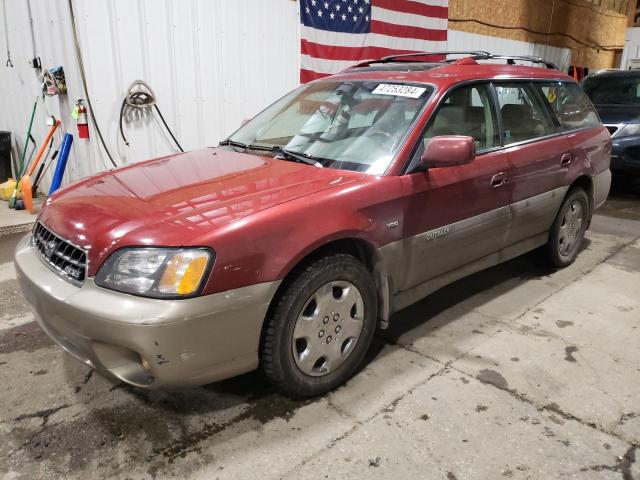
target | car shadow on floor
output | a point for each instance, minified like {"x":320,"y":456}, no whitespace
{"x":468,"y":294}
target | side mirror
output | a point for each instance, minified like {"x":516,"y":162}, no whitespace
{"x":449,"y":151}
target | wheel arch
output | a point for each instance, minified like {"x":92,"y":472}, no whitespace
{"x":584,"y":182}
{"x":361,"y":249}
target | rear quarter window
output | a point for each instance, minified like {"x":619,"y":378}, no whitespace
{"x":570,"y":105}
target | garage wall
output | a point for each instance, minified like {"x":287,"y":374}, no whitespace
{"x":193,"y":53}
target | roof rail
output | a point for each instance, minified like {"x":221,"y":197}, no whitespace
{"x":474,"y":54}
{"x":400,"y":57}
{"x":471,"y":53}
{"x":511,"y":60}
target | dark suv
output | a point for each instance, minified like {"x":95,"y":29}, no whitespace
{"x":616,"y":96}
{"x":286,"y":246}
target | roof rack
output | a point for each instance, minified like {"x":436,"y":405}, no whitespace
{"x":473,"y":54}
{"x":401,"y":57}
{"x":511,"y":60}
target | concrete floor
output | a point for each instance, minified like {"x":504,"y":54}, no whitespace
{"x":516,"y":372}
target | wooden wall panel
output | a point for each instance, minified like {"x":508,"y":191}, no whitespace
{"x":592,"y":33}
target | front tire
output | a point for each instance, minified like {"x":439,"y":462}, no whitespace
{"x":568,"y":229}
{"x":320,"y":327}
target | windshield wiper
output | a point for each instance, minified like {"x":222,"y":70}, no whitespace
{"x":278,"y":151}
{"x":233,"y":143}
{"x":297,"y":156}
{"x":245,"y":146}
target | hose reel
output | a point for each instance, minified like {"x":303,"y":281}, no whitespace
{"x":140,"y":96}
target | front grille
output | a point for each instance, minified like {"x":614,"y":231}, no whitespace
{"x":68,"y":261}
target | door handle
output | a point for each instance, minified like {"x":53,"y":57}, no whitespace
{"x":498,"y":179}
{"x":565,"y":160}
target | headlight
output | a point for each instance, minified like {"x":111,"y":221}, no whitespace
{"x":156,"y":272}
{"x":629,"y":130}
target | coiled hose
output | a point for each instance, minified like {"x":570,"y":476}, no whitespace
{"x":140,"y":95}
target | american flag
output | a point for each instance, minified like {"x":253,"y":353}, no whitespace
{"x":338,"y":33}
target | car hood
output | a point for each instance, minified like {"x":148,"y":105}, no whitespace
{"x":615,"y":114}
{"x":171,"y":200}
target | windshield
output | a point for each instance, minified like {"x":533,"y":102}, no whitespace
{"x":349,"y":125}
{"x":613,"y":90}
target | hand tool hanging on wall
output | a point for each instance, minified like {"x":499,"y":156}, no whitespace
{"x":62,"y":163}
{"x":53,"y":82}
{"x":83,"y":77}
{"x":140,"y":96}
{"x":6,"y":33}
{"x":35,"y":62}
{"x":25,"y":181}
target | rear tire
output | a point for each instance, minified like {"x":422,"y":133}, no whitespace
{"x":320,"y":326}
{"x":568,"y":229}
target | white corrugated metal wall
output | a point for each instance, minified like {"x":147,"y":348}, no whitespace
{"x":211,"y":64}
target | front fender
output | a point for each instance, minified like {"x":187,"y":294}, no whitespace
{"x":266,"y":246}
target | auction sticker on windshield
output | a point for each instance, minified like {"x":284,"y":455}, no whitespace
{"x":398,"y":90}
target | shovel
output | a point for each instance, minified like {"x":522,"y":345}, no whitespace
{"x":25,"y":181}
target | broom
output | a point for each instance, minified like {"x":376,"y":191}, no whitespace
{"x":25,"y":181}
{"x":14,"y":196}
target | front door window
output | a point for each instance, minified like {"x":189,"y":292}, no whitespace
{"x":466,"y":111}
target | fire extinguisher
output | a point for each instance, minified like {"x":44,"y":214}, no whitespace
{"x":81,"y":120}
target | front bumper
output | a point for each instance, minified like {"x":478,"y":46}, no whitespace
{"x":147,"y":342}
{"x":625,"y":154}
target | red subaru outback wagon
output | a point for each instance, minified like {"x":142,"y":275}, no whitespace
{"x":286,"y":246}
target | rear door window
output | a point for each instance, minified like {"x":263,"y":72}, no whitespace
{"x":466,"y":111}
{"x":570,"y":105}
{"x":523,"y":116}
